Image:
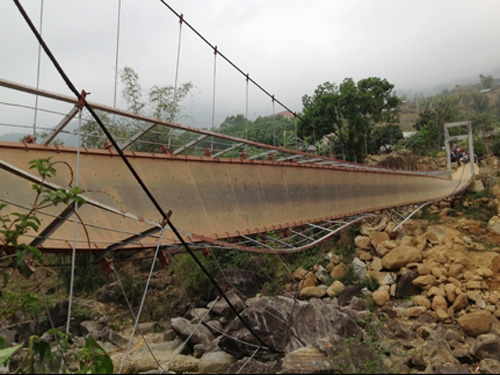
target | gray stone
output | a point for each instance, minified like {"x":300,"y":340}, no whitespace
{"x":215,"y":362}
{"x":359,"y":268}
{"x":346,"y":295}
{"x":405,"y":287}
{"x":307,"y":360}
{"x":9,"y":336}
{"x":147,"y":327}
{"x":244,"y":281}
{"x":215,"y":327}
{"x":92,"y":327}
{"x":487,"y":346}
{"x":113,"y":337}
{"x":311,"y":321}
{"x":221,"y":307}
{"x":194,"y":315}
{"x":489,"y":366}
{"x":184,"y":328}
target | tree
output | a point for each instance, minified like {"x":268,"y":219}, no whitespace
{"x":486,"y":81}
{"x":163,"y":102}
{"x":346,"y":114}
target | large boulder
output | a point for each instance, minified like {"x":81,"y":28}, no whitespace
{"x":476,"y":323}
{"x":184,"y":328}
{"x":221,"y":307}
{"x":141,"y":359}
{"x":268,"y":317}
{"x":243,"y":280}
{"x":487,"y":346}
{"x":400,"y":256}
{"x":215,"y":362}
{"x":308,"y":360}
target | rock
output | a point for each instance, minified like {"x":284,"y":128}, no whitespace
{"x":338,"y":271}
{"x":461,"y":302}
{"x":221,"y":307}
{"x":476,"y":323}
{"x":436,"y":233}
{"x":442,"y":315}
{"x":405,"y":287}
{"x":359,"y":268}
{"x":400,"y":256}
{"x":300,"y":273}
{"x":437,"y":353}
{"x":357,"y":304}
{"x":421,"y":301}
{"x":383,"y":278}
{"x":346,"y":295}
{"x":415,"y":311}
{"x":381,"y":297}
{"x":107,"y":334}
{"x":146,"y":327}
{"x":141,"y":360}
{"x":312,"y":292}
{"x":439,"y":302}
{"x":91,"y":327}
{"x":489,"y":366}
{"x":335,"y":289}
{"x":362,"y":242}
{"x":376,"y":264}
{"x":487,"y":346}
{"x":378,"y":238}
{"x":184,"y":328}
{"x":322,"y":274}
{"x":456,"y":269}
{"x":215,"y":327}
{"x":245,"y":282}
{"x":307,"y":360}
{"x":249,"y":365}
{"x":494,"y":225}
{"x":450,"y":291}
{"x":312,"y":320}
{"x":424,"y":282}
{"x":9,"y":336}
{"x":194,"y":315}
{"x":215,"y":362}
{"x":309,"y":279}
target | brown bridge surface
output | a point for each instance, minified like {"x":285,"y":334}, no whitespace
{"x":210,"y":199}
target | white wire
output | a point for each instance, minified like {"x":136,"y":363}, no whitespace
{"x":38,"y":70}
{"x":142,"y":302}
{"x":73,"y":254}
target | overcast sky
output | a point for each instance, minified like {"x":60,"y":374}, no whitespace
{"x":288,"y":46}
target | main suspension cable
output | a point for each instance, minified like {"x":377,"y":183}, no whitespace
{"x":165,"y":216}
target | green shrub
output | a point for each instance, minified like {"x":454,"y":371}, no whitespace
{"x":89,"y":277}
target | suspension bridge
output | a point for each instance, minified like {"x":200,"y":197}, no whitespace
{"x":267,"y":199}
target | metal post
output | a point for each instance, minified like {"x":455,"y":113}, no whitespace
{"x":471,"y":148}
{"x":447,"y":148}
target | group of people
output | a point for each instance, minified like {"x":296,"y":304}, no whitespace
{"x":460,"y":156}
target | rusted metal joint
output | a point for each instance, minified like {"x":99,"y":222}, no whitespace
{"x":165,"y":221}
{"x":81,"y":101}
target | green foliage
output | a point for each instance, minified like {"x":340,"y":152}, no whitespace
{"x":486,"y":81}
{"x":346,"y":114}
{"x":370,"y":283}
{"x":163,"y":102}
{"x":39,"y":357}
{"x":133,"y":286}
{"x":87,"y":280}
{"x":93,"y":359}
{"x":15,"y":224}
{"x":26,"y":303}
{"x":7,"y":353}
{"x":360,"y":356}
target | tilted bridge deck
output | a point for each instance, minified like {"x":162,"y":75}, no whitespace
{"x":211,"y":199}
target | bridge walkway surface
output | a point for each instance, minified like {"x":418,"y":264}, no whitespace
{"x":212,"y":199}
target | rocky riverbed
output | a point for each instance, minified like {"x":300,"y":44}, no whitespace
{"x":424,"y":298}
